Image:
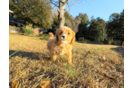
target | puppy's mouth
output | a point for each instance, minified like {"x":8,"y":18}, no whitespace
{"x":63,"y":39}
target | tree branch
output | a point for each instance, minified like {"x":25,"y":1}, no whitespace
{"x":65,"y":2}
{"x":54,"y":3}
{"x":71,"y":6}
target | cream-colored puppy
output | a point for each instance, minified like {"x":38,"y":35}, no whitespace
{"x":62,"y":44}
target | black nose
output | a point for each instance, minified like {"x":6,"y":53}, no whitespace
{"x":63,"y":37}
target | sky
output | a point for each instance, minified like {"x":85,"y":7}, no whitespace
{"x":97,"y":8}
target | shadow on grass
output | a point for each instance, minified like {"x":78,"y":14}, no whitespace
{"x":93,"y":42}
{"x":31,"y":55}
{"x":44,"y":38}
{"x":118,"y":50}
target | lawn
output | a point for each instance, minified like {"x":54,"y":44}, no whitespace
{"x":96,"y":65}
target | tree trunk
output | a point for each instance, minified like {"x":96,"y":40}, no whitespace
{"x":122,"y":43}
{"x":61,"y":11}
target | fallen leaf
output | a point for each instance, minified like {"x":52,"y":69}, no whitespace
{"x":107,"y":67}
{"x":103,"y":57}
{"x":14,"y":84}
{"x":47,"y":85}
{"x":89,"y":52}
{"x":102,"y":65}
{"x":117,"y":61}
{"x":105,"y":53}
{"x":42,"y":62}
{"x":24,"y":49}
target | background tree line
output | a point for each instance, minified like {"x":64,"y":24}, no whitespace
{"x":41,"y":14}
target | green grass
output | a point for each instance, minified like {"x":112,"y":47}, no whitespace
{"x":28,"y":31}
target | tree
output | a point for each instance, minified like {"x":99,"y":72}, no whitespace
{"x":77,"y":21}
{"x":61,"y":9}
{"x":120,"y":31}
{"x":55,"y":23}
{"x":82,"y":28}
{"x":96,"y":31}
{"x":92,"y":19}
{"x":73,"y":23}
{"x":115,"y":27}
{"x":36,"y":12}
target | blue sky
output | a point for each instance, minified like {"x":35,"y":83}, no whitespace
{"x":97,"y":8}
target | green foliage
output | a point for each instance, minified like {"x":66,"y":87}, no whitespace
{"x":36,"y":12}
{"x":97,"y":30}
{"x":83,"y":26}
{"x":55,"y":24}
{"x":113,"y":17}
{"x":45,"y":36}
{"x":69,"y":69}
{"x":115,"y":27}
{"x":84,"y":19}
{"x":67,"y":16}
{"x":28,"y":31}
{"x":41,"y":35}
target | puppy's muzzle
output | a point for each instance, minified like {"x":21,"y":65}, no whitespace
{"x":63,"y":37}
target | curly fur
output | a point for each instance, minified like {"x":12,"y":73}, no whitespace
{"x":59,"y":46}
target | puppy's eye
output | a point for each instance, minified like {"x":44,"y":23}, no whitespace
{"x":68,"y":33}
{"x":60,"y":32}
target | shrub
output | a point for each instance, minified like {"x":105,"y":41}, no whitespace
{"x":28,"y":31}
{"x":41,"y":35}
{"x":45,"y":36}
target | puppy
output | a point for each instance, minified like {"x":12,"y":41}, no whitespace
{"x":61,"y":44}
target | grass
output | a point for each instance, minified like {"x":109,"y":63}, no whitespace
{"x":96,"y":66}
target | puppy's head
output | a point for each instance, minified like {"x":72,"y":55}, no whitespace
{"x":65,"y":35}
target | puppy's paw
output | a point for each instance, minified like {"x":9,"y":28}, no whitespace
{"x":71,"y":64}
{"x":52,"y":59}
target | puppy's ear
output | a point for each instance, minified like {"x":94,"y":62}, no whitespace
{"x":73,"y":38}
{"x":56,"y":33}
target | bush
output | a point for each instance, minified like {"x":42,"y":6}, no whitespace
{"x":45,"y":36}
{"x":41,"y":35}
{"x":28,"y":31}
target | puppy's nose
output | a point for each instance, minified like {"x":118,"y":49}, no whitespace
{"x":63,"y":36}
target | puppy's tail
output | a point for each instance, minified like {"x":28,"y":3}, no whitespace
{"x":51,"y":36}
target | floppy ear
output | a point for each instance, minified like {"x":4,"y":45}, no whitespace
{"x":73,"y":38}
{"x":56,"y":33}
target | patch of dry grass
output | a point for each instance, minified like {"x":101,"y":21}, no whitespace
{"x":96,"y":66}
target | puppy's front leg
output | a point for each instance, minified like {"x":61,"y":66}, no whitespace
{"x":69,"y":58}
{"x":53,"y":57}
